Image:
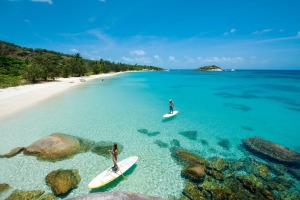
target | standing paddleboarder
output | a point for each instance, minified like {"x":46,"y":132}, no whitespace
{"x":114,"y":155}
{"x":171,"y":104}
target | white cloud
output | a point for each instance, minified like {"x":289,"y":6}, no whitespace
{"x":143,"y":60}
{"x":101,"y":36}
{"x":231,"y":31}
{"x":223,"y":60}
{"x":127,"y":59}
{"x":138,"y":52}
{"x":43,"y":1}
{"x":171,"y":58}
{"x":27,"y":21}
{"x":74,"y":50}
{"x":157,"y":57}
{"x":262,"y":31}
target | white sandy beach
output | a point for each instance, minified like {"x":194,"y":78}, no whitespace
{"x":17,"y":99}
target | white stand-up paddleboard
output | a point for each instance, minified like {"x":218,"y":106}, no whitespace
{"x":109,"y":175}
{"x":175,"y":112}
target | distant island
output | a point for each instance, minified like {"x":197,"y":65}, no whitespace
{"x":209,"y":68}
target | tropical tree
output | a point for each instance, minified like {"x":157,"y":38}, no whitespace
{"x":77,"y":65}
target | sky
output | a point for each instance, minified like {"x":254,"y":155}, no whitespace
{"x":172,"y":34}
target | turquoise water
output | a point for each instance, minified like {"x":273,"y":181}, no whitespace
{"x":217,"y":105}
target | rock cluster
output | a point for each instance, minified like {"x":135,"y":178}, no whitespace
{"x":217,"y":178}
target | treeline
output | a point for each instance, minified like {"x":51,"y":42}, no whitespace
{"x":19,"y":65}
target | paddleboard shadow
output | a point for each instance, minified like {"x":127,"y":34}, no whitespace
{"x":169,"y":119}
{"x":114,"y":183}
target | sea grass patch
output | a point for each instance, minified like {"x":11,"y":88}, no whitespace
{"x":31,"y":194}
{"x":101,"y":148}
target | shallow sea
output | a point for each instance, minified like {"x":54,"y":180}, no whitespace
{"x":217,"y":106}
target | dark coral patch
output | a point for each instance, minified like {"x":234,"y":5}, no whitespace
{"x":142,"y":130}
{"x":247,"y":128}
{"x":161,"y":144}
{"x":224,"y":143}
{"x":238,"y":106}
{"x":204,"y":142}
{"x":146,"y":132}
{"x":155,"y":133}
{"x":175,"y":143}
{"x":192,"y":135}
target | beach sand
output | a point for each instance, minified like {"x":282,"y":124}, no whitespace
{"x":17,"y":99}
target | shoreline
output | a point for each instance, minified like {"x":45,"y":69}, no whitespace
{"x":20,"y":98}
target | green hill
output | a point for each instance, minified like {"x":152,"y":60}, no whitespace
{"x":21,"y":65}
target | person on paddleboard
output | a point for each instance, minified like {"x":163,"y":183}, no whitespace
{"x":114,"y":155}
{"x":171,"y":104}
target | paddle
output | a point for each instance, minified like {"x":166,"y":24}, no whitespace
{"x":122,"y":173}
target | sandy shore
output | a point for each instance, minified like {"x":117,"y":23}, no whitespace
{"x":17,"y":99}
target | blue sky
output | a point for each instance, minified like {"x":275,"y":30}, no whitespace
{"x":241,"y":34}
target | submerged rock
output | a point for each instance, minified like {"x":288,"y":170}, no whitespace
{"x":19,"y":194}
{"x":295,"y":173}
{"x":58,"y":146}
{"x":101,"y":148}
{"x":48,"y":197}
{"x":195,"y":173}
{"x":277,"y":169}
{"x":218,"y":164}
{"x":187,"y":158}
{"x":13,"y":152}
{"x":258,"y":168}
{"x":62,"y":181}
{"x":3,"y":187}
{"x":192,"y":192}
{"x":215,"y":174}
{"x":256,"y":186}
{"x":271,"y":151}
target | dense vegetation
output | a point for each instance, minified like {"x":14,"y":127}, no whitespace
{"x":20,"y":65}
{"x":209,"y":68}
